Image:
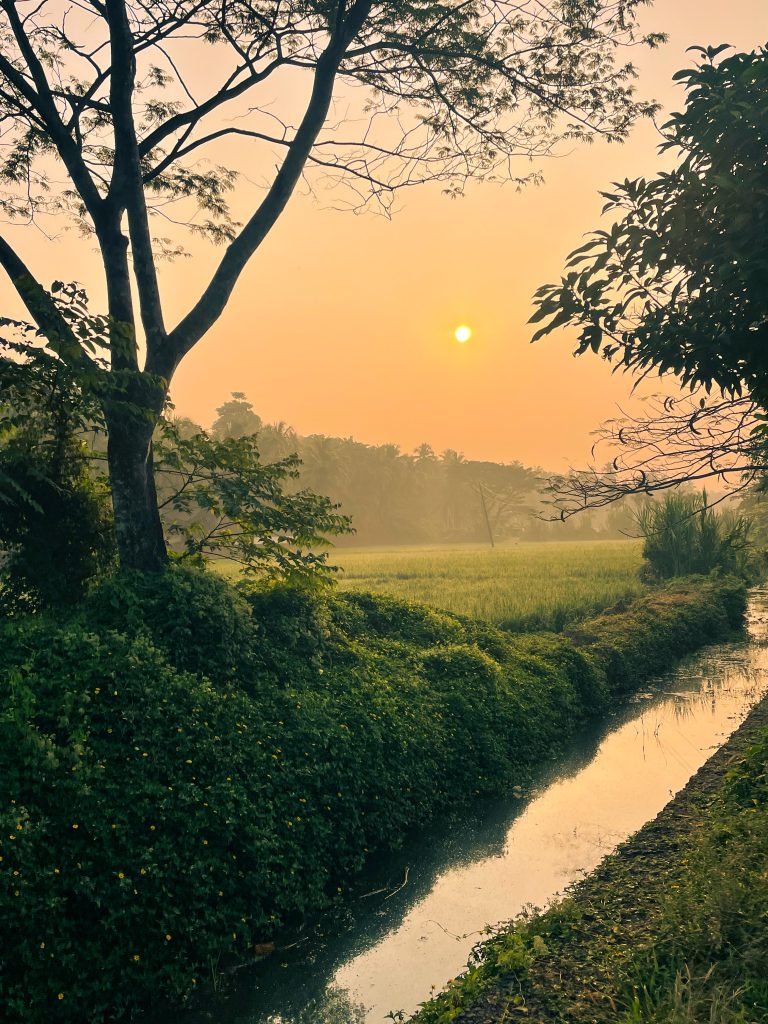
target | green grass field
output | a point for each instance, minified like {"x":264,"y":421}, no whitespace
{"x":519,"y":586}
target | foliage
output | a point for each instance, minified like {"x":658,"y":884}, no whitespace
{"x":223,"y":501}
{"x":396,"y":497}
{"x":393,"y":496}
{"x":155,"y":820}
{"x":678,"y":283}
{"x":195,"y":622}
{"x":55,"y":525}
{"x":684,"y":535}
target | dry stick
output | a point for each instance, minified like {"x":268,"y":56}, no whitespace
{"x":404,"y":883}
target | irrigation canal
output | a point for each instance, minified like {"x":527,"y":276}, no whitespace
{"x":413,"y":924}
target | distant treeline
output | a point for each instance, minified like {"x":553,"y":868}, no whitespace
{"x":417,"y":498}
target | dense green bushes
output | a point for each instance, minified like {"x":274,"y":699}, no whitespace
{"x":185,"y":767}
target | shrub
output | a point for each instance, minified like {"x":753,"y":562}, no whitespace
{"x":55,"y":525}
{"x":684,"y":536}
{"x":197,"y":620}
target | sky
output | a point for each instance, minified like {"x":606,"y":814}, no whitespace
{"x":344,"y":324}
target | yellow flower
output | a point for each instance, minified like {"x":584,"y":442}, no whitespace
{"x":75,"y":825}
{"x":97,"y":690}
{"x":61,"y":995}
{"x":120,"y":874}
{"x":42,"y":945}
{"x":136,"y":957}
{"x":168,"y":938}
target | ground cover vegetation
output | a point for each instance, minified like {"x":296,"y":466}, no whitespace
{"x":189,"y":765}
{"x":669,"y":930}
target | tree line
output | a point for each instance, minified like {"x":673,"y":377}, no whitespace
{"x":419,"y":497}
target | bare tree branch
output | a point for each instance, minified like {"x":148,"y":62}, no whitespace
{"x":680,"y":441}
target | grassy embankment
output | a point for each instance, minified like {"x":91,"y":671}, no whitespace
{"x":516,"y":586}
{"x":186,"y":767}
{"x":671,"y":929}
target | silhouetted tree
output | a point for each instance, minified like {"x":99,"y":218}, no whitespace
{"x":95,"y":93}
{"x":236,"y":418}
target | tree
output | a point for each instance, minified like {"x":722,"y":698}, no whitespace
{"x":97,"y":92}
{"x":679,"y":285}
{"x":236,"y":418}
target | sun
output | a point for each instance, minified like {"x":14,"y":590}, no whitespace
{"x":462,"y":334}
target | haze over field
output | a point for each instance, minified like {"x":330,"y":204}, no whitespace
{"x":365,"y":346}
{"x":345,"y":325}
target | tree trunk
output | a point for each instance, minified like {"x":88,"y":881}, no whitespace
{"x":140,"y":540}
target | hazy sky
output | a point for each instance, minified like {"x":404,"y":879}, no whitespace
{"x":343,"y":324}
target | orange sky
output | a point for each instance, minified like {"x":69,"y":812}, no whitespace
{"x":344,"y":324}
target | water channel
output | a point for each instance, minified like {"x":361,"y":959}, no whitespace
{"x":427,"y":906}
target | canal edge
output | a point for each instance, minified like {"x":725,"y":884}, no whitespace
{"x":564,"y":980}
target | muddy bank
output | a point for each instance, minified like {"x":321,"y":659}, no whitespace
{"x":567,"y":965}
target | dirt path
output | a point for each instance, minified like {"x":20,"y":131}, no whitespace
{"x":613,"y":909}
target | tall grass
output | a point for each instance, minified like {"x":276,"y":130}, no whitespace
{"x":685,"y":536}
{"x":517,"y":586}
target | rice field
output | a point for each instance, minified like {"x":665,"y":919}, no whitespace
{"x":518,"y":586}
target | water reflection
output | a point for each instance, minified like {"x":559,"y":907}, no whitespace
{"x":384,"y":950}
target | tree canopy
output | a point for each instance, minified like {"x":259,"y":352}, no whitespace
{"x":679,"y":282}
{"x":108,"y":108}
